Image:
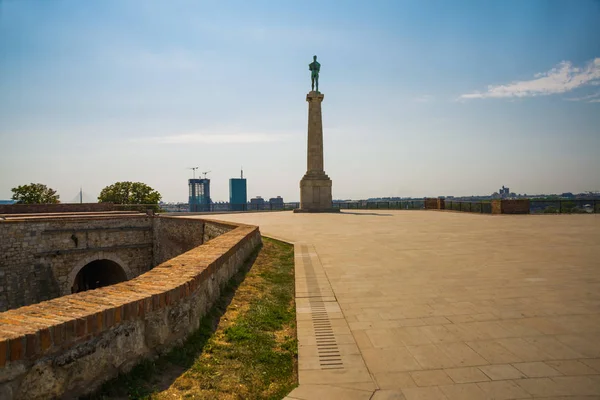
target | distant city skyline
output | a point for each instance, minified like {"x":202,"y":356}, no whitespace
{"x":590,"y":194}
{"x":427,"y":98}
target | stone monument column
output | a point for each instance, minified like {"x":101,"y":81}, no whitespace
{"x":314,"y":153}
{"x":315,"y":186}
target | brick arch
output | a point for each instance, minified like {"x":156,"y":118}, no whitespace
{"x":66,"y":289}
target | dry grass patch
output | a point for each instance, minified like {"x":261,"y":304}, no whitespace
{"x":246,"y":347}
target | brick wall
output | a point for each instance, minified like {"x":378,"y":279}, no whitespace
{"x":55,"y":208}
{"x":520,"y":206}
{"x":69,"y":346}
{"x":496,"y":206}
{"x":431,"y":204}
{"x":174,"y":236}
{"x":212,"y":229}
{"x":39,"y":256}
{"x":515,"y":206}
{"x":435,"y":204}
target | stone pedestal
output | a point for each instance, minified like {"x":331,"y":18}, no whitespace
{"x":315,"y":186}
{"x":520,"y":206}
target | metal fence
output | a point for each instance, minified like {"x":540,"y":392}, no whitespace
{"x":536,"y":206}
{"x":579,"y":206}
{"x":360,"y":205}
{"x":225,"y":207}
{"x":381,"y":205}
{"x":482,"y":207}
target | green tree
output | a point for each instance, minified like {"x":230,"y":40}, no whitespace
{"x":35,"y":193}
{"x":129,"y":193}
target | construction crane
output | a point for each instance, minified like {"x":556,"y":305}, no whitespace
{"x":204,"y":173}
{"x":194,"y":169}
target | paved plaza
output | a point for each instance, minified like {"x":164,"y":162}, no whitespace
{"x":443,"y":305}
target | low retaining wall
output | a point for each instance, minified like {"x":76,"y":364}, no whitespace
{"x":212,"y":229}
{"x":431,"y":204}
{"x":520,"y":206}
{"x":435,"y":204}
{"x":40,"y":256}
{"x":69,"y":346}
{"x":175,"y":236}
{"x":55,"y":208}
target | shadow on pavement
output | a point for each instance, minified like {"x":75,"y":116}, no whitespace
{"x":357,"y":213}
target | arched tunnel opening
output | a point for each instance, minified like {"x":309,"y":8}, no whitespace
{"x":97,"y":274}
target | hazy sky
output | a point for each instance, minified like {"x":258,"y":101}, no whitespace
{"x":422,"y":98}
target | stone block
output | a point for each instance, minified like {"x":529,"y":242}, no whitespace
{"x":520,"y":206}
{"x":431,"y":204}
{"x":441,"y":204}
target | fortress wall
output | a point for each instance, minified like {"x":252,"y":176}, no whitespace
{"x":38,"y":255}
{"x":519,"y":206}
{"x":431,"y":204}
{"x":55,"y":208}
{"x":70,"y":345}
{"x":212,"y":229}
{"x":435,"y":204}
{"x":175,"y":236}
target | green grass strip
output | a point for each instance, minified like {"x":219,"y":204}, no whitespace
{"x":245,"y":348}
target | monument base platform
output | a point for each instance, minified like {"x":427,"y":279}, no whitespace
{"x":315,"y":193}
{"x":326,"y":210}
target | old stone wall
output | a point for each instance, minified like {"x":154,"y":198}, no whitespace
{"x":496,"y":206}
{"x":520,"y":206}
{"x":515,"y":206}
{"x":435,"y":204}
{"x":66,"y":347}
{"x":55,"y":208}
{"x":40,"y":257}
{"x":212,"y":229}
{"x":431,"y":204}
{"x":174,"y":236}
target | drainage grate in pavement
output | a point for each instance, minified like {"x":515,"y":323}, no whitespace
{"x":329,"y":354}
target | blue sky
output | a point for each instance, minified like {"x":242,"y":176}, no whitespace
{"x":422,"y":98}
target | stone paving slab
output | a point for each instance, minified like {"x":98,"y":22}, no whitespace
{"x":328,"y":353}
{"x":447,"y":305}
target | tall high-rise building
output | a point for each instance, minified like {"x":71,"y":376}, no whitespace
{"x":238,"y":193}
{"x":199,"y":195}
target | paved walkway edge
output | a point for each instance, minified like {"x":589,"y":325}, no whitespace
{"x":330,"y":365}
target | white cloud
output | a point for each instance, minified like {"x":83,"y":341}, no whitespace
{"x":423,"y":98}
{"x":588,"y":97}
{"x":594,"y":101}
{"x":560,"y":79}
{"x":211,"y":138}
